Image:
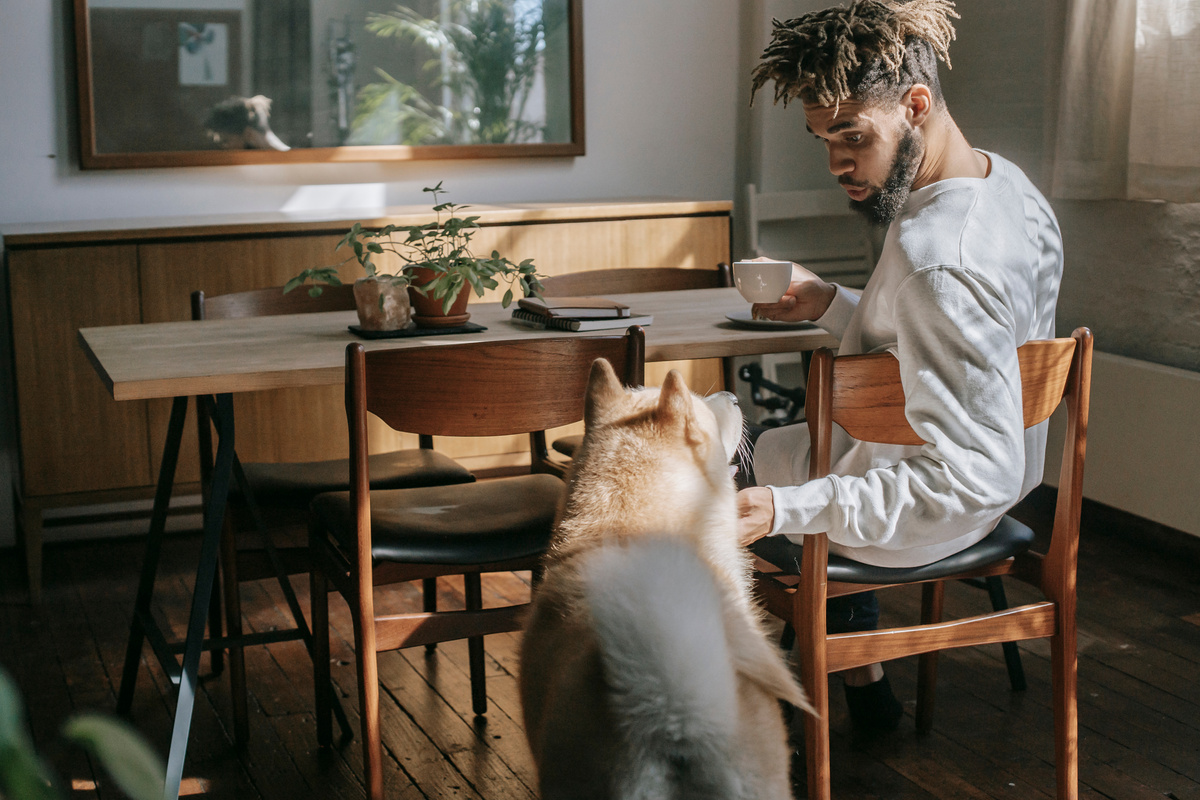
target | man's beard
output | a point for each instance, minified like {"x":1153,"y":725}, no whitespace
{"x":882,"y":207}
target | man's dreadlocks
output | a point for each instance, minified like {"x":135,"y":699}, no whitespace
{"x":870,"y":50}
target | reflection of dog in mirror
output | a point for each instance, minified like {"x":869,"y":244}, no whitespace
{"x":242,"y":123}
{"x":645,"y":671}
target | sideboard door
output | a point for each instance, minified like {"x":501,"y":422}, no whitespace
{"x":74,"y":436}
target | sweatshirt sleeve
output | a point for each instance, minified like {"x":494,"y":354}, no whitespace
{"x":958,"y":364}
{"x":837,"y":317}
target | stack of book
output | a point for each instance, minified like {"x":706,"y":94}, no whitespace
{"x":576,"y":314}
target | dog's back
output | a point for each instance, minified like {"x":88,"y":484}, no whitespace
{"x":666,"y":689}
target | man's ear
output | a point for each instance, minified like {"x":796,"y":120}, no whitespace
{"x":918,"y":104}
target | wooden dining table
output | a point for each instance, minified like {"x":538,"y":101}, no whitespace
{"x":213,"y":360}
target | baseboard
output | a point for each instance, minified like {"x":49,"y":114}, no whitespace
{"x":1098,"y":519}
{"x":118,"y":519}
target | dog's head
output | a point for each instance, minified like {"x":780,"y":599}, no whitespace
{"x":658,"y":441}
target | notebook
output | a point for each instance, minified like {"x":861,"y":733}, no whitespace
{"x":574,"y":307}
{"x":535,"y":320}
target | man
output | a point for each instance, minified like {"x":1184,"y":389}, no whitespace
{"x":969,"y":271}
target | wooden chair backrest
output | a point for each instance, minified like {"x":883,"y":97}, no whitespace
{"x":863,"y":394}
{"x":630,"y":281}
{"x":271,"y":302}
{"x":867,"y":399}
{"x":486,"y":389}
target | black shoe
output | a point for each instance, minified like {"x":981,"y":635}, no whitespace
{"x":873,"y":708}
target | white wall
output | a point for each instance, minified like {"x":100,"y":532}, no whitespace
{"x":661,"y":86}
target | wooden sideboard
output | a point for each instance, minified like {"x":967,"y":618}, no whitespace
{"x":75,"y":440}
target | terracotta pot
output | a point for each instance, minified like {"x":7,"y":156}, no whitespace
{"x":393,"y":314}
{"x":427,"y":312}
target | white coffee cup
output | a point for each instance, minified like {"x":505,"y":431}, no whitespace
{"x":762,"y":281}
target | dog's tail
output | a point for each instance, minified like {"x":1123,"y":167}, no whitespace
{"x":673,"y":643}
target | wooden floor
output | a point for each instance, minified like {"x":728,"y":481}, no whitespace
{"x":1139,"y":668}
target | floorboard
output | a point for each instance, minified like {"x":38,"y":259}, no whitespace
{"x":1139,"y":702}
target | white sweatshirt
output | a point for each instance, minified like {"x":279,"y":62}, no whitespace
{"x":969,"y":271}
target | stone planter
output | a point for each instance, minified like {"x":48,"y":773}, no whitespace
{"x":393,"y":313}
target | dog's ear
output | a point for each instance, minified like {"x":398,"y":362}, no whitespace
{"x":675,"y":400}
{"x":603,"y":390}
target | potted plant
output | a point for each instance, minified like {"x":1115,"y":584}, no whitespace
{"x":437,"y":268}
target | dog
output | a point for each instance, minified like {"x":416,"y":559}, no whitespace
{"x":645,"y":670}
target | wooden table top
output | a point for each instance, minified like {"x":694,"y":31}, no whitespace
{"x":170,"y":359}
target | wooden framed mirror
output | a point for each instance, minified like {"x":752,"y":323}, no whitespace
{"x":170,"y":83}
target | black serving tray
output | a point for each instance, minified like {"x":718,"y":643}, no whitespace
{"x":404,"y":333}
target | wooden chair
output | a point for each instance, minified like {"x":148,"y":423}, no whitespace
{"x":631,"y":281}
{"x":363,"y":538}
{"x":276,"y":502}
{"x":863,"y":395}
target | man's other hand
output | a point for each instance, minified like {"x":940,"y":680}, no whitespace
{"x":756,"y":514}
{"x":807,"y":297}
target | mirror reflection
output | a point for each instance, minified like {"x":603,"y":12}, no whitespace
{"x":286,"y":75}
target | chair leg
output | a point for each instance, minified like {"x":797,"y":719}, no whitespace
{"x":814,"y":675}
{"x":368,"y":702}
{"x":1064,"y":665}
{"x":1012,"y":655}
{"x":932,"y":600}
{"x":31,"y":536}
{"x":429,"y":603}
{"x":233,"y":626}
{"x":474,"y":596}
{"x":319,"y":597}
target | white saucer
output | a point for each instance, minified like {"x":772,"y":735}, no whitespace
{"x":743,"y":319}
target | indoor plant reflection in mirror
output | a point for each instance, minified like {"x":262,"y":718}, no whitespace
{"x":487,"y":58}
{"x":435,"y":274}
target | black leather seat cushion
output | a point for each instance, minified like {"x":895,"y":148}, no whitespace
{"x":1007,"y":539}
{"x":475,"y":523}
{"x":567,"y":445}
{"x":298,"y":484}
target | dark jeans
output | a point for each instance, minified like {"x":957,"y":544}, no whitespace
{"x":846,"y":614}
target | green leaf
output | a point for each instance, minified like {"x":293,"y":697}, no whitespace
{"x":314,"y":291}
{"x":22,"y":774}
{"x":375,"y":247}
{"x":133,"y":765}
{"x":473,"y":279}
{"x":294,"y":282}
{"x":508,"y":298}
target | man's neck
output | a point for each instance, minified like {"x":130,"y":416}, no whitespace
{"x":948,"y":154}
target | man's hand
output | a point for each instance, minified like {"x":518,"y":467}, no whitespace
{"x":807,"y":297}
{"x":756,"y":514}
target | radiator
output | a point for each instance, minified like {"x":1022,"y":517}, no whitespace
{"x":1143,"y":449}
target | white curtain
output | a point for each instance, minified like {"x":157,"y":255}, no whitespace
{"x":1129,"y":110}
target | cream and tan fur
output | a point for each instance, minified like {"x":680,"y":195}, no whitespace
{"x":645,"y":671}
